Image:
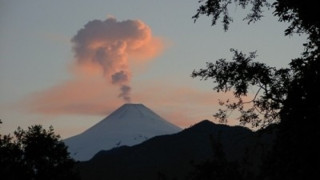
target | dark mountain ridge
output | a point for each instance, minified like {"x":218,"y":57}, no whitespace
{"x":173,"y":155}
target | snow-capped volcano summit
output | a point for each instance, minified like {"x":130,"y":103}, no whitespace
{"x":129,"y":125}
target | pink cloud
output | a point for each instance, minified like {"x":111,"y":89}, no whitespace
{"x":181,"y":105}
{"x":102,"y":51}
{"x":107,"y":46}
{"x":76,"y":96}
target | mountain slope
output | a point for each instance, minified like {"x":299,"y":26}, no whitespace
{"x":172,"y":154}
{"x":129,"y":125}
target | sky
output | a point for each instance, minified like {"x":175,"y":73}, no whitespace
{"x":71,"y":63}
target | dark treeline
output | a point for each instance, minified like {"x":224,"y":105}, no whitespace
{"x":35,"y":154}
{"x":287,"y":96}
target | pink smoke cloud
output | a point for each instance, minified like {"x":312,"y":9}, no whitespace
{"x":107,"y":46}
{"x":87,"y":96}
{"x":103,"y":50}
{"x":180,"y":105}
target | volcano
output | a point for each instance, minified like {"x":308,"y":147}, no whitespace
{"x":129,"y":125}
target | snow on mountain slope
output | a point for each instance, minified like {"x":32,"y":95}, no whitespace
{"x":129,"y":125}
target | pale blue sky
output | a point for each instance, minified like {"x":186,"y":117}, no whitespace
{"x":35,"y":52}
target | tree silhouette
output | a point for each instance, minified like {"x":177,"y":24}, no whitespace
{"x":239,"y":75}
{"x":243,"y":72}
{"x":289,"y":96}
{"x":35,"y":154}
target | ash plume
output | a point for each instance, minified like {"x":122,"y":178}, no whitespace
{"x":106,"y":46}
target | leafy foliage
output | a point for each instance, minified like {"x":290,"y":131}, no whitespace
{"x":35,"y":154}
{"x":289,"y":95}
{"x":303,"y":16}
{"x":216,"y":8}
{"x":241,"y":74}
